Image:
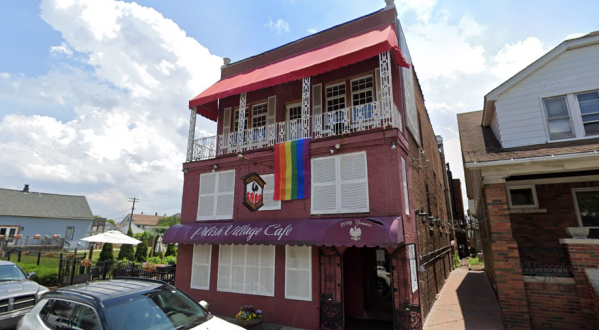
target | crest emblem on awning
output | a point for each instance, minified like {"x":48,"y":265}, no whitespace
{"x":355,"y":233}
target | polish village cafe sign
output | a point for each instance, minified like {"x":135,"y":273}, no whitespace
{"x":253,"y":197}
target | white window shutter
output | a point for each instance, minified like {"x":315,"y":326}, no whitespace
{"x":298,"y":272}
{"x":225,"y":195}
{"x":316,"y":99}
{"x":353,"y":178}
{"x":252,"y":270}
{"x":377,"y":81}
{"x":238,"y":268}
{"x":227,"y":121}
{"x":268,"y":194}
{"x":224,"y":268}
{"x":267,"y":270}
{"x":271,"y":110}
{"x":207,"y":196}
{"x":200,"y":271}
{"x":324,"y":185}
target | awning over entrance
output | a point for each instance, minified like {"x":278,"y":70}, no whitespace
{"x":313,"y":62}
{"x":384,"y":232}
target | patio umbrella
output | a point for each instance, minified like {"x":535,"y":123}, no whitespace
{"x":159,"y":246}
{"x":112,"y":236}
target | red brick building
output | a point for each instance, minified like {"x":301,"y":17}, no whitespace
{"x":532,"y":171}
{"x":353,"y":250}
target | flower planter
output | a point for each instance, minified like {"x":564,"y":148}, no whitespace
{"x":256,"y":324}
{"x":49,"y":254}
{"x":578,"y":232}
{"x":86,"y":262}
{"x":148,"y":267}
{"x":38,"y":236}
{"x":18,"y":236}
{"x":56,"y":236}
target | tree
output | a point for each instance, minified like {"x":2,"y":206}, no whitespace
{"x":167,"y":222}
{"x":107,"y":252}
{"x":127,"y":251}
{"x":171,"y":250}
{"x":141,"y":253}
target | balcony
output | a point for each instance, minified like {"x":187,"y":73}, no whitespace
{"x":335,"y":123}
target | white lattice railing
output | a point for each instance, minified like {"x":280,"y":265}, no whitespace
{"x":340,"y":122}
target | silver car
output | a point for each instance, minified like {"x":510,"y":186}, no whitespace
{"x":18,"y":294}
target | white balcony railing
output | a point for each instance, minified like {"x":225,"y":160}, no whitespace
{"x":344,"y":121}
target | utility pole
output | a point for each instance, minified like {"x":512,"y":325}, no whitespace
{"x":132,"y":208}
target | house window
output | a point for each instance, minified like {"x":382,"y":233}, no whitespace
{"x":268,"y":194}
{"x":259,"y":112}
{"x":248,"y":269}
{"x":335,"y":97}
{"x":70,"y":232}
{"x":200,"y":269}
{"x":340,"y":184}
{"x":236,"y":125}
{"x":362,"y":91}
{"x":586,"y":203}
{"x":589,"y":112}
{"x":558,"y":118}
{"x":294,"y":111}
{"x":522,"y":197}
{"x":298,"y":272}
{"x":294,"y":123}
{"x":216,"y":195}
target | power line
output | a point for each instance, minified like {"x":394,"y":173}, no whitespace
{"x":132,"y":208}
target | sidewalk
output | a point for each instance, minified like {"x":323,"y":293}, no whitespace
{"x":466,"y":302}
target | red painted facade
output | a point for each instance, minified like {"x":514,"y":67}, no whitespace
{"x":385,"y":193}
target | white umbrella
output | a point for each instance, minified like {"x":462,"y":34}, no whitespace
{"x":113,"y":236}
{"x":159,"y":246}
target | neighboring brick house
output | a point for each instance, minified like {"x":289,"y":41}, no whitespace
{"x":348,"y":252}
{"x":141,"y":222}
{"x":42,"y":219}
{"x":531,"y":160}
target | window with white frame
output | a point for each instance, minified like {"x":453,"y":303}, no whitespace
{"x":294,"y":122}
{"x":248,"y":269}
{"x":269,"y":193}
{"x":298,"y":272}
{"x":200,"y":268}
{"x":588,"y":103}
{"x":294,"y":111}
{"x":586,"y":203}
{"x":236,"y":124}
{"x":558,"y":118}
{"x":335,"y":97}
{"x":405,"y":185}
{"x":522,"y":197}
{"x":216,"y":195}
{"x":340,"y":184}
{"x":70,"y":232}
{"x":362,"y":90}
{"x":259,"y":112}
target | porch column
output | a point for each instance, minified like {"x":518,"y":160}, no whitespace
{"x":191,"y":135}
{"x":386,"y":87}
{"x":242,"y":101}
{"x":505,"y":259}
{"x":306,"y":107}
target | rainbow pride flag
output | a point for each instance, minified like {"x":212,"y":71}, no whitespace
{"x":292,"y":170}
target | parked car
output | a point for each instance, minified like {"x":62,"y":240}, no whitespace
{"x":18,"y":294}
{"x":118,"y":304}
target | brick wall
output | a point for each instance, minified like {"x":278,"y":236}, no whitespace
{"x":508,"y":279}
{"x":553,"y":305}
{"x":583,"y":256}
{"x":427,"y":192}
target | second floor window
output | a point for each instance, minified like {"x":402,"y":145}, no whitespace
{"x":589,"y":112}
{"x":259,"y":112}
{"x":236,"y":125}
{"x":335,"y":97}
{"x":362,"y":91}
{"x":573,"y":115}
{"x":558,"y":118}
{"x":216,"y":195}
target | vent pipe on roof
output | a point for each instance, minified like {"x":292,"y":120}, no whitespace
{"x":389,"y":4}
{"x":26,"y":189}
{"x":156,"y":213}
{"x":226,"y":62}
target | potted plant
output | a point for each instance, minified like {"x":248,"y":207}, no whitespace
{"x":250,"y":318}
{"x":148,"y":267}
{"x":86,"y":262}
{"x":17,"y":236}
{"x":56,"y":236}
{"x":49,"y":254}
{"x":37,"y":236}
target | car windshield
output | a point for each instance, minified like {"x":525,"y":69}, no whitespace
{"x":160,"y":310}
{"x":11,"y":273}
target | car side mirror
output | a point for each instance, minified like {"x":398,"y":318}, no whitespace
{"x":205,"y":305}
{"x":31,"y":275}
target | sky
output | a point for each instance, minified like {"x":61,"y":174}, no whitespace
{"x":94,"y":94}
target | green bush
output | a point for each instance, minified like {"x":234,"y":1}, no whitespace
{"x":171,"y":250}
{"x":46,"y":276}
{"x":168,"y":259}
{"x":456,"y":260}
{"x":475,"y":261}
{"x":107,"y":252}
{"x":155,"y":260}
{"x":127,"y":251}
{"x":141,"y":252}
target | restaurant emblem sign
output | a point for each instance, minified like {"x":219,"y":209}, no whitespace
{"x":253,"y":194}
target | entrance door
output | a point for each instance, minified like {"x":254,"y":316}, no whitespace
{"x":331,"y":303}
{"x":9,"y":233}
{"x":378,"y":296}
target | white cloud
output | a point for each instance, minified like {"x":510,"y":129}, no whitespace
{"x":63,"y":49}
{"x":573,"y":35}
{"x":422,"y":8}
{"x":280,"y":26}
{"x":311,"y":31}
{"x":123,"y":120}
{"x":514,"y":57}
